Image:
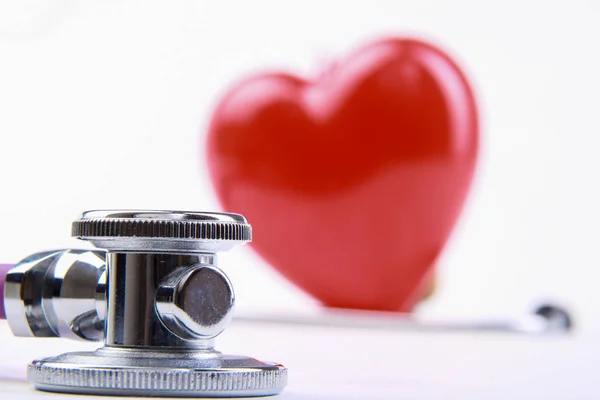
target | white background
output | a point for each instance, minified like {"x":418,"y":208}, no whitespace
{"x":104,"y":105}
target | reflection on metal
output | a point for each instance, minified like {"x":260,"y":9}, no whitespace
{"x":156,"y":298}
{"x":53,"y":294}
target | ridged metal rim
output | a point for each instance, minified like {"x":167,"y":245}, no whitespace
{"x":160,"y":229}
{"x":135,"y":381}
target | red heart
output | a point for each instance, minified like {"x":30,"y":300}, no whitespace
{"x":352,"y":181}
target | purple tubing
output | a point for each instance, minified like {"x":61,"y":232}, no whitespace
{"x":3,"y":271}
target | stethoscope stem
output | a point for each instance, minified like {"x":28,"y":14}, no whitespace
{"x":543,"y":319}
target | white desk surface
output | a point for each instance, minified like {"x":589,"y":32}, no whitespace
{"x":342,"y":363}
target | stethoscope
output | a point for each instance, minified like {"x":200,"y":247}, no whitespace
{"x":151,"y":291}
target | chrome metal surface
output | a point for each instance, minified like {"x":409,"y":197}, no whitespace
{"x":132,"y":319}
{"x":53,"y":294}
{"x":196,"y":302}
{"x":23,"y":295}
{"x":131,"y":372}
{"x":162,"y":231}
{"x":155,"y":296}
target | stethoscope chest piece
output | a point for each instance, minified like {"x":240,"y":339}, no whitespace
{"x":153,"y":294}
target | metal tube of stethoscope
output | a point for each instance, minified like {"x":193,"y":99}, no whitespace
{"x":4,"y":268}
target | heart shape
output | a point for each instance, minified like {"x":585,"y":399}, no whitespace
{"x":352,"y":181}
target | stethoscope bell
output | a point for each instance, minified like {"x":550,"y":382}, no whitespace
{"x":156,"y":298}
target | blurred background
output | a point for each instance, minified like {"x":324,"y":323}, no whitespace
{"x":106,"y":105}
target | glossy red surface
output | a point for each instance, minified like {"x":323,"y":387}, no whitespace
{"x":352,"y":181}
